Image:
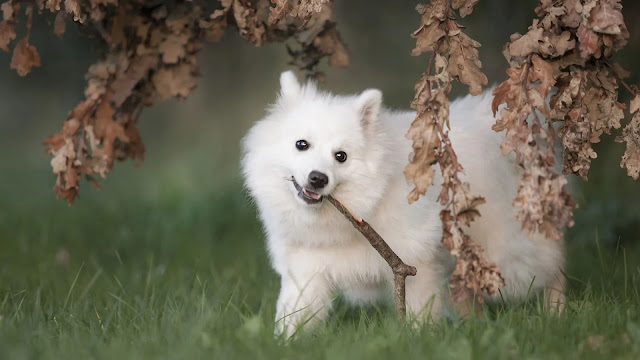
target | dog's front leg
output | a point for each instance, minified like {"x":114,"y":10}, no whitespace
{"x":304,"y":301}
{"x":423,"y":294}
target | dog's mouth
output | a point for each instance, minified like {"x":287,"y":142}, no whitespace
{"x":308,"y":196}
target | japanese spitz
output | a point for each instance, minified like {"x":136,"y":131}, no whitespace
{"x":312,"y":144}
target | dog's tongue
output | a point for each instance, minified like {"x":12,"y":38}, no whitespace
{"x":311,"y":194}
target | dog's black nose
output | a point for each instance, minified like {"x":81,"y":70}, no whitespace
{"x":317,"y":179}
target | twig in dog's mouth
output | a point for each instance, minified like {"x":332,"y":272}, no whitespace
{"x":399,"y":268}
{"x":309,"y":196}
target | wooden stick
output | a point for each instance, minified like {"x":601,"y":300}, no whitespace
{"x":399,"y":268}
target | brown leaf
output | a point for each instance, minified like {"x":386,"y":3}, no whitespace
{"x":466,"y":205}
{"x":465,"y":6}
{"x":117,"y":37}
{"x":306,"y":8}
{"x":464,"y":63}
{"x":419,"y":170}
{"x":25,"y":57}
{"x":605,"y":18}
{"x":527,"y":44}
{"x":427,"y":37}
{"x":572,"y":17}
{"x":127,"y":80}
{"x":173,"y":48}
{"x":176,"y":81}
{"x":634,"y":105}
{"x":588,"y":42}
{"x":329,"y":42}
{"x":52,"y":5}
{"x":278,"y":12}
{"x":543,"y":203}
{"x":430,"y":31}
{"x":542,"y":71}
{"x":631,"y":136}
{"x":557,"y":45}
{"x":72,"y":7}
{"x":248,"y":24}
{"x":473,"y":271}
{"x":10,"y":11}
{"x":6,"y":35}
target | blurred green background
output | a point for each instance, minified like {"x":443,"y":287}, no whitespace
{"x":169,"y":258}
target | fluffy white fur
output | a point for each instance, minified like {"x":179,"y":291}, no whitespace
{"x":317,"y":252}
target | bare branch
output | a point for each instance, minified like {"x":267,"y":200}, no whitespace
{"x":399,"y":268}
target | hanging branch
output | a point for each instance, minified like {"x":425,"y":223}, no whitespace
{"x":399,"y":268}
{"x":454,"y":55}
{"x":568,"y":46}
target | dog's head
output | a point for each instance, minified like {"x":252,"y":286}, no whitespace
{"x":322,"y":144}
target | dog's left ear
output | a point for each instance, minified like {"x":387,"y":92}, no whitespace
{"x":289,"y":85}
{"x":368,"y":105}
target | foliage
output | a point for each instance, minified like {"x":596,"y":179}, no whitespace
{"x":150,"y":56}
{"x":568,"y":46}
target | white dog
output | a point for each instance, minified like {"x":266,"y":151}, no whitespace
{"x":312,"y":144}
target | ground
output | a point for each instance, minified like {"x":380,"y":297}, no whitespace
{"x":127,"y":275}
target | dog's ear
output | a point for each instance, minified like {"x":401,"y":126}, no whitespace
{"x":368,"y":105}
{"x":289,"y":85}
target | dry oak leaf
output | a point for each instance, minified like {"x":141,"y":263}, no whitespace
{"x":25,"y":57}
{"x":606,"y":19}
{"x":557,"y":45}
{"x":631,"y":136}
{"x":117,"y":36}
{"x":588,"y":42}
{"x":572,"y":17}
{"x":248,"y":24}
{"x":10,"y":10}
{"x":107,"y":128}
{"x":280,"y":11}
{"x":173,"y":48}
{"x":329,"y":42}
{"x":464,"y":63}
{"x":73,"y":8}
{"x":466,"y":205}
{"x":542,"y":71}
{"x":427,"y":36}
{"x":306,"y":8}
{"x":604,"y":112}
{"x":464,"y":6}
{"x":6,"y":35}
{"x":172,"y":81}
{"x":634,"y":105}
{"x":53,"y":5}
{"x":527,"y":43}
{"x":419,"y":170}
{"x":473,"y":271}
{"x":127,"y":80}
{"x":63,"y":156}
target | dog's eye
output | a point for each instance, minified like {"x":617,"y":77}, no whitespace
{"x":341,"y":156}
{"x":302,"y":145}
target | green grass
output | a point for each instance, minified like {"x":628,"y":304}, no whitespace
{"x":185,"y":276}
